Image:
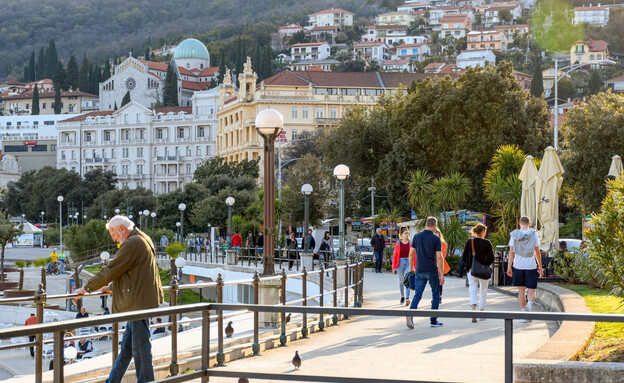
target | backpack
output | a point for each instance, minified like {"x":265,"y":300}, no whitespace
{"x":524,"y":243}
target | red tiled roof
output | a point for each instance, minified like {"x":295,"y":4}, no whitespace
{"x":195,"y":85}
{"x":396,"y":62}
{"x":210,"y":71}
{"x":616,"y":79}
{"x":363,"y":45}
{"x":315,"y":68}
{"x":83,"y":117}
{"x":412,"y":45}
{"x":325,"y":28}
{"x":174,"y":109}
{"x":333,"y":10}
{"x":396,"y":26}
{"x":345,"y":79}
{"x":42,"y":81}
{"x":65,"y":93}
{"x":434,"y":66}
{"x":155,"y":65}
{"x":596,"y":45}
{"x":13,"y":82}
{"x":291,"y":26}
{"x":454,"y":18}
{"x":521,"y":74}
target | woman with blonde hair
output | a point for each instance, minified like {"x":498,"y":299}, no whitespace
{"x":480,"y":249}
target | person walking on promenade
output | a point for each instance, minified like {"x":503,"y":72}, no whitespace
{"x":447,"y":268}
{"x":525,"y":263}
{"x":251,"y":244}
{"x":400,"y":262}
{"x":32,"y":319}
{"x":481,"y":249}
{"x":62,"y":262}
{"x":291,"y":245}
{"x":427,"y":250}
{"x":378,"y":242}
{"x":260,"y":243}
{"x":326,"y":248}
{"x":311,"y":241}
{"x":237,"y":243}
{"x":136,"y":286}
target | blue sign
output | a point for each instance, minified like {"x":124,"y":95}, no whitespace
{"x":413,"y":215}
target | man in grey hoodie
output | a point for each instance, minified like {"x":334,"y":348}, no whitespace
{"x":525,"y":263}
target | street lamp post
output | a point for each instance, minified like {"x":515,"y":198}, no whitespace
{"x":178,"y":230}
{"x":153,"y":219}
{"x":117,"y":211}
{"x":42,"y":214}
{"x":60,"y":200}
{"x":229,"y":201}
{"x":146,"y":215}
{"x":269,"y":124}
{"x":181,"y":207}
{"x":341,"y":172}
{"x":180,"y":263}
{"x":141,"y":220}
{"x":306,"y":190}
{"x":569,"y":68}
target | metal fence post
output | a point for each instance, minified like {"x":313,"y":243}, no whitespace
{"x":283,"y":314}
{"x":115,"y":340}
{"x":40,"y":298}
{"x":361,"y":283}
{"x":356,"y":284}
{"x":256,"y":286}
{"x":174,"y":368}
{"x":205,"y":343}
{"x":220,"y":353}
{"x":508,"y":350}
{"x":43,"y":278}
{"x":59,"y":358}
{"x":321,"y":320}
{"x":335,"y":278}
{"x":304,"y":281}
{"x":346,"y":288}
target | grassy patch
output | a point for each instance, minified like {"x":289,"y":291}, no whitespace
{"x":188,"y":295}
{"x":93,"y":269}
{"x":607,"y":344}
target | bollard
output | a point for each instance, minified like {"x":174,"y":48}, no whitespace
{"x":174,"y":367}
{"x":256,"y":286}
{"x":205,"y":343}
{"x":335,"y":277}
{"x":321,"y":321}
{"x":304,"y":281}
{"x":43,"y":277}
{"x":220,"y":353}
{"x":346,"y":287}
{"x":40,"y":299}
{"x":283,"y":314}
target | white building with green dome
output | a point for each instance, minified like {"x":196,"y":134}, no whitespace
{"x":145,"y":79}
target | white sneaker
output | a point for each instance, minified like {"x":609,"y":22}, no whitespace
{"x":409,"y":323}
{"x":523,"y":320}
{"x":528,"y":307}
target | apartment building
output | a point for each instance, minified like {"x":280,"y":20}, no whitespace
{"x":494,"y":40}
{"x":333,"y":17}
{"x":592,"y":15}
{"x":319,"y":50}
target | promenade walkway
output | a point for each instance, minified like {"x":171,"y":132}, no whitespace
{"x":384,"y":348}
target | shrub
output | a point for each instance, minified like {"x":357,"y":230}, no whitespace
{"x":453,"y":261}
{"x":578,"y":267}
{"x":42,"y":262}
{"x":174,"y":249}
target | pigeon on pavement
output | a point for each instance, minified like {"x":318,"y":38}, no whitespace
{"x":296,"y":360}
{"x":229,"y":330}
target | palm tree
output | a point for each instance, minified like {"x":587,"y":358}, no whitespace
{"x":419,"y":192}
{"x":452,"y":191}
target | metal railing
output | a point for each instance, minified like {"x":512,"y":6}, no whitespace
{"x":59,"y":329}
{"x":353,"y":279}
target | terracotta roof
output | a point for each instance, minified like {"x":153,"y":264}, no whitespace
{"x":195,"y":85}
{"x":42,"y":81}
{"x":290,"y":26}
{"x":315,"y":68}
{"x":434,"y":66}
{"x":325,"y":28}
{"x":316,"y":44}
{"x":345,"y":79}
{"x":449,"y":18}
{"x":155,"y":65}
{"x":448,"y":7}
{"x":412,"y":45}
{"x":65,"y":93}
{"x":174,"y":109}
{"x":210,"y":71}
{"x":13,"y":82}
{"x":396,"y":62}
{"x":333,"y":10}
{"x":185,"y":71}
{"x":590,"y":8}
{"x":83,"y":117}
{"x":520,"y":74}
{"x":616,"y":79}
{"x":596,"y":45}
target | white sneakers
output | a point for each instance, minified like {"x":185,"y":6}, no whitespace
{"x":528,"y":307}
{"x":523,"y":320}
{"x":409,"y":323}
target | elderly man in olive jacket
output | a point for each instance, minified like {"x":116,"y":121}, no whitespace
{"x":135,"y":286}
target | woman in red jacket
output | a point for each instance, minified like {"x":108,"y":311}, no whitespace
{"x":400,"y":262}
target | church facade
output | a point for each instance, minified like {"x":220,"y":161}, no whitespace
{"x":145,"y":80}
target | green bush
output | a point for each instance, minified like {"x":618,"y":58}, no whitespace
{"x":174,"y":249}
{"x":42,"y":262}
{"x":577,"y":267}
{"x":572,"y":228}
{"x":51,"y":235}
{"x":80,"y":239}
{"x":453,"y":261}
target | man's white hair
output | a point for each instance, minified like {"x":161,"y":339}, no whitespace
{"x":120,"y":220}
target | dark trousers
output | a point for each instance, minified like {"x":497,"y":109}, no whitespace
{"x":378,"y":260}
{"x":421,"y":281}
{"x":31,"y":338}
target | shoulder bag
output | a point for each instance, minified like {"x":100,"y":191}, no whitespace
{"x":478,"y":269}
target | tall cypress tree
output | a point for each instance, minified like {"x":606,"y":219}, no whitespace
{"x":267,"y":65}
{"x":60,"y":76}
{"x":51,"y":59}
{"x":35,"y":101}
{"x":256,"y":59}
{"x":126,"y":99}
{"x":222,"y":68}
{"x":83,"y":74}
{"x":537,"y":82}
{"x":170,"y":90}
{"x":115,"y":106}
{"x":72,"y":73}
{"x":95,"y":79}
{"x":57,"y":100}
{"x":25,"y":74}
{"x":31,"y":67}
{"x":40,"y":70}
{"x":106,"y":72}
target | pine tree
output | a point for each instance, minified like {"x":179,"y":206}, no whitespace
{"x":256,"y":59}
{"x":115,"y":106}
{"x":537,"y":83}
{"x":57,"y":100}
{"x":267,"y":65}
{"x":595,"y":82}
{"x":40,"y":70}
{"x":31,"y":67}
{"x":147,"y":55}
{"x":35,"y":101}
{"x":83,"y":74}
{"x":95,"y":79}
{"x":51,"y":60}
{"x":222,"y":68}
{"x":25,"y":74}
{"x":126,"y":99}
{"x":60,"y":76}
{"x":106,"y":72}
{"x":72,"y":73}
{"x":170,"y":90}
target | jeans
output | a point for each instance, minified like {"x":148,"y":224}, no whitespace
{"x":401,"y":271}
{"x":482,"y":286}
{"x":134,"y":344}
{"x":62,"y":266}
{"x":421,"y":281}
{"x":378,"y":260}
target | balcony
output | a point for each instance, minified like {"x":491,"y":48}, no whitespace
{"x":327,"y":121}
{"x":126,"y":142}
{"x":87,"y":160}
{"x":123,"y":176}
{"x":183,"y":139}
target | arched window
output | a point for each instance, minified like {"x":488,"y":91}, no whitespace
{"x":599,"y":57}
{"x":591,"y":57}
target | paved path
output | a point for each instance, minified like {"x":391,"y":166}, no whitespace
{"x":383,"y":347}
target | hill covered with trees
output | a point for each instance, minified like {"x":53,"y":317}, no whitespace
{"x":102,"y":28}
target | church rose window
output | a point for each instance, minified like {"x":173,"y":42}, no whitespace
{"x":130,"y":83}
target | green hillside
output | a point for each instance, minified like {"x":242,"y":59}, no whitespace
{"x":103,"y":28}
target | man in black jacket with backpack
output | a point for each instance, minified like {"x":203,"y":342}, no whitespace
{"x":378,"y":242}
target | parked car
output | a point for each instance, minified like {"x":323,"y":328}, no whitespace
{"x":573,"y":244}
{"x":363,"y":246}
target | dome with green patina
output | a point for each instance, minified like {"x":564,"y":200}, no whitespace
{"x":191,"y":49}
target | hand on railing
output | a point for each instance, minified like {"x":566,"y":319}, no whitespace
{"x":81,"y":291}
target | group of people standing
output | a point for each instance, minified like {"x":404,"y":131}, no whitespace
{"x":425,"y":257}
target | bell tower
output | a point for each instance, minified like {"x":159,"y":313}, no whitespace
{"x":247,"y":82}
